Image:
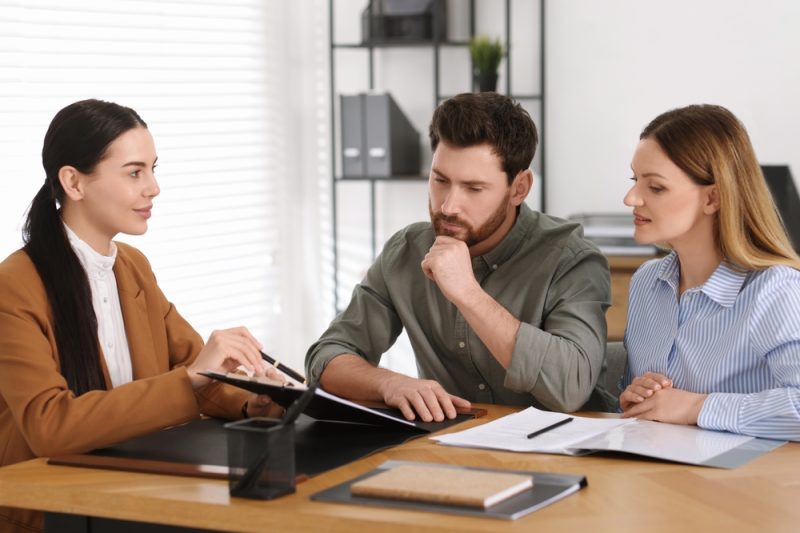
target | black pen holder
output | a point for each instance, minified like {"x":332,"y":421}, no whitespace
{"x":261,"y":460}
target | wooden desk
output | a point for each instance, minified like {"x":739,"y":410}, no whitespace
{"x":624,"y":494}
{"x":622,"y":268}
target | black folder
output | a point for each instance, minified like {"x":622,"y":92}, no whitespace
{"x":327,"y":406}
{"x":200,"y":448}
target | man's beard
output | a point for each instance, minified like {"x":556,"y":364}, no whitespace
{"x":473,"y":236}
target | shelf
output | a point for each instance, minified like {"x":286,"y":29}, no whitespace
{"x":443,"y":97}
{"x":400,"y":44}
{"x":382,"y":178}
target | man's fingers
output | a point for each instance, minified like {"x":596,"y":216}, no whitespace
{"x":420,"y":406}
{"x":425,"y":399}
{"x":445,"y":402}
{"x":432,"y":402}
{"x":405,"y":408}
{"x":460,"y":403}
{"x":426,"y":268}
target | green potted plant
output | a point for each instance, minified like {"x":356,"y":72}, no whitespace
{"x":486,"y":56}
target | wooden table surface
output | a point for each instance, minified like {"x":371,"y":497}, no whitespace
{"x":624,"y":494}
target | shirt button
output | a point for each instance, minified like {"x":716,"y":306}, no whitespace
{"x":494,"y":267}
{"x":461,"y":344}
{"x":481,"y":386}
{"x":105,"y":300}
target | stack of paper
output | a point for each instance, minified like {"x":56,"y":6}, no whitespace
{"x":612,"y":233}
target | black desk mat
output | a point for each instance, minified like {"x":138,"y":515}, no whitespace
{"x":320,"y":445}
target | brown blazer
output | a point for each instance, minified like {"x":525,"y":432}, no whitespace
{"x":40,"y":416}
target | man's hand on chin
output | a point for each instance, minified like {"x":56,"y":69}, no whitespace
{"x":448,"y":264}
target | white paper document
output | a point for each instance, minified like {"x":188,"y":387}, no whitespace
{"x":684,"y":444}
{"x":582,"y":435}
{"x":511,"y":432}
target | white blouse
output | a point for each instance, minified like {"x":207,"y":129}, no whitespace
{"x":105,"y":300}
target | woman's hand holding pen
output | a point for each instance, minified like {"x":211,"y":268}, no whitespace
{"x":225,"y":350}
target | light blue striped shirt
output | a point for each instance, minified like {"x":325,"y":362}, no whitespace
{"x":735,"y":338}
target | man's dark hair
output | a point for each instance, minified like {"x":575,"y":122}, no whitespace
{"x":471,"y":119}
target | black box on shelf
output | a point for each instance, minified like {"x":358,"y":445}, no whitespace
{"x":397,"y":21}
{"x":378,"y":140}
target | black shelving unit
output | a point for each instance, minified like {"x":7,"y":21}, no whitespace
{"x":438,"y":42}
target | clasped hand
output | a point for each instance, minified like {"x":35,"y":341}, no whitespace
{"x":652,"y":397}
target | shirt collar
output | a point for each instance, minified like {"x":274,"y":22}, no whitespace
{"x":722,"y":287}
{"x":510,"y":243}
{"x":96,"y":265}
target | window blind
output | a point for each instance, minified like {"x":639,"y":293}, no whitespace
{"x":207,"y":77}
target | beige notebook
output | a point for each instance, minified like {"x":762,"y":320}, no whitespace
{"x":443,"y":484}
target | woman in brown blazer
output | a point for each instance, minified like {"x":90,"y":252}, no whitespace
{"x":91,"y":352}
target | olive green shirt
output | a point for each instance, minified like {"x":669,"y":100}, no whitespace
{"x":543,"y":272}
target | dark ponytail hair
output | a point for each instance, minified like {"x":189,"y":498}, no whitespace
{"x":78,"y":136}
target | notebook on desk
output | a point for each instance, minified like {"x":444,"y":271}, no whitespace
{"x":327,"y":406}
{"x":443,"y":484}
{"x":546,"y":488}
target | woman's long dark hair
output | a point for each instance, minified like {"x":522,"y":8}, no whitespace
{"x":78,"y":136}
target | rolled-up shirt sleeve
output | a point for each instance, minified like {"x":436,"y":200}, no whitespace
{"x":560,"y":360}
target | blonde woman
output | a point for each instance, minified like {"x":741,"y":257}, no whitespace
{"x":713,"y":333}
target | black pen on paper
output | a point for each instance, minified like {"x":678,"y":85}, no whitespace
{"x":548,"y":428}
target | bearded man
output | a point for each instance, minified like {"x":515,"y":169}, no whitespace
{"x":502,"y":304}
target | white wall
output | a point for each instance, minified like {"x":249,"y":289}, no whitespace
{"x":612,"y":66}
